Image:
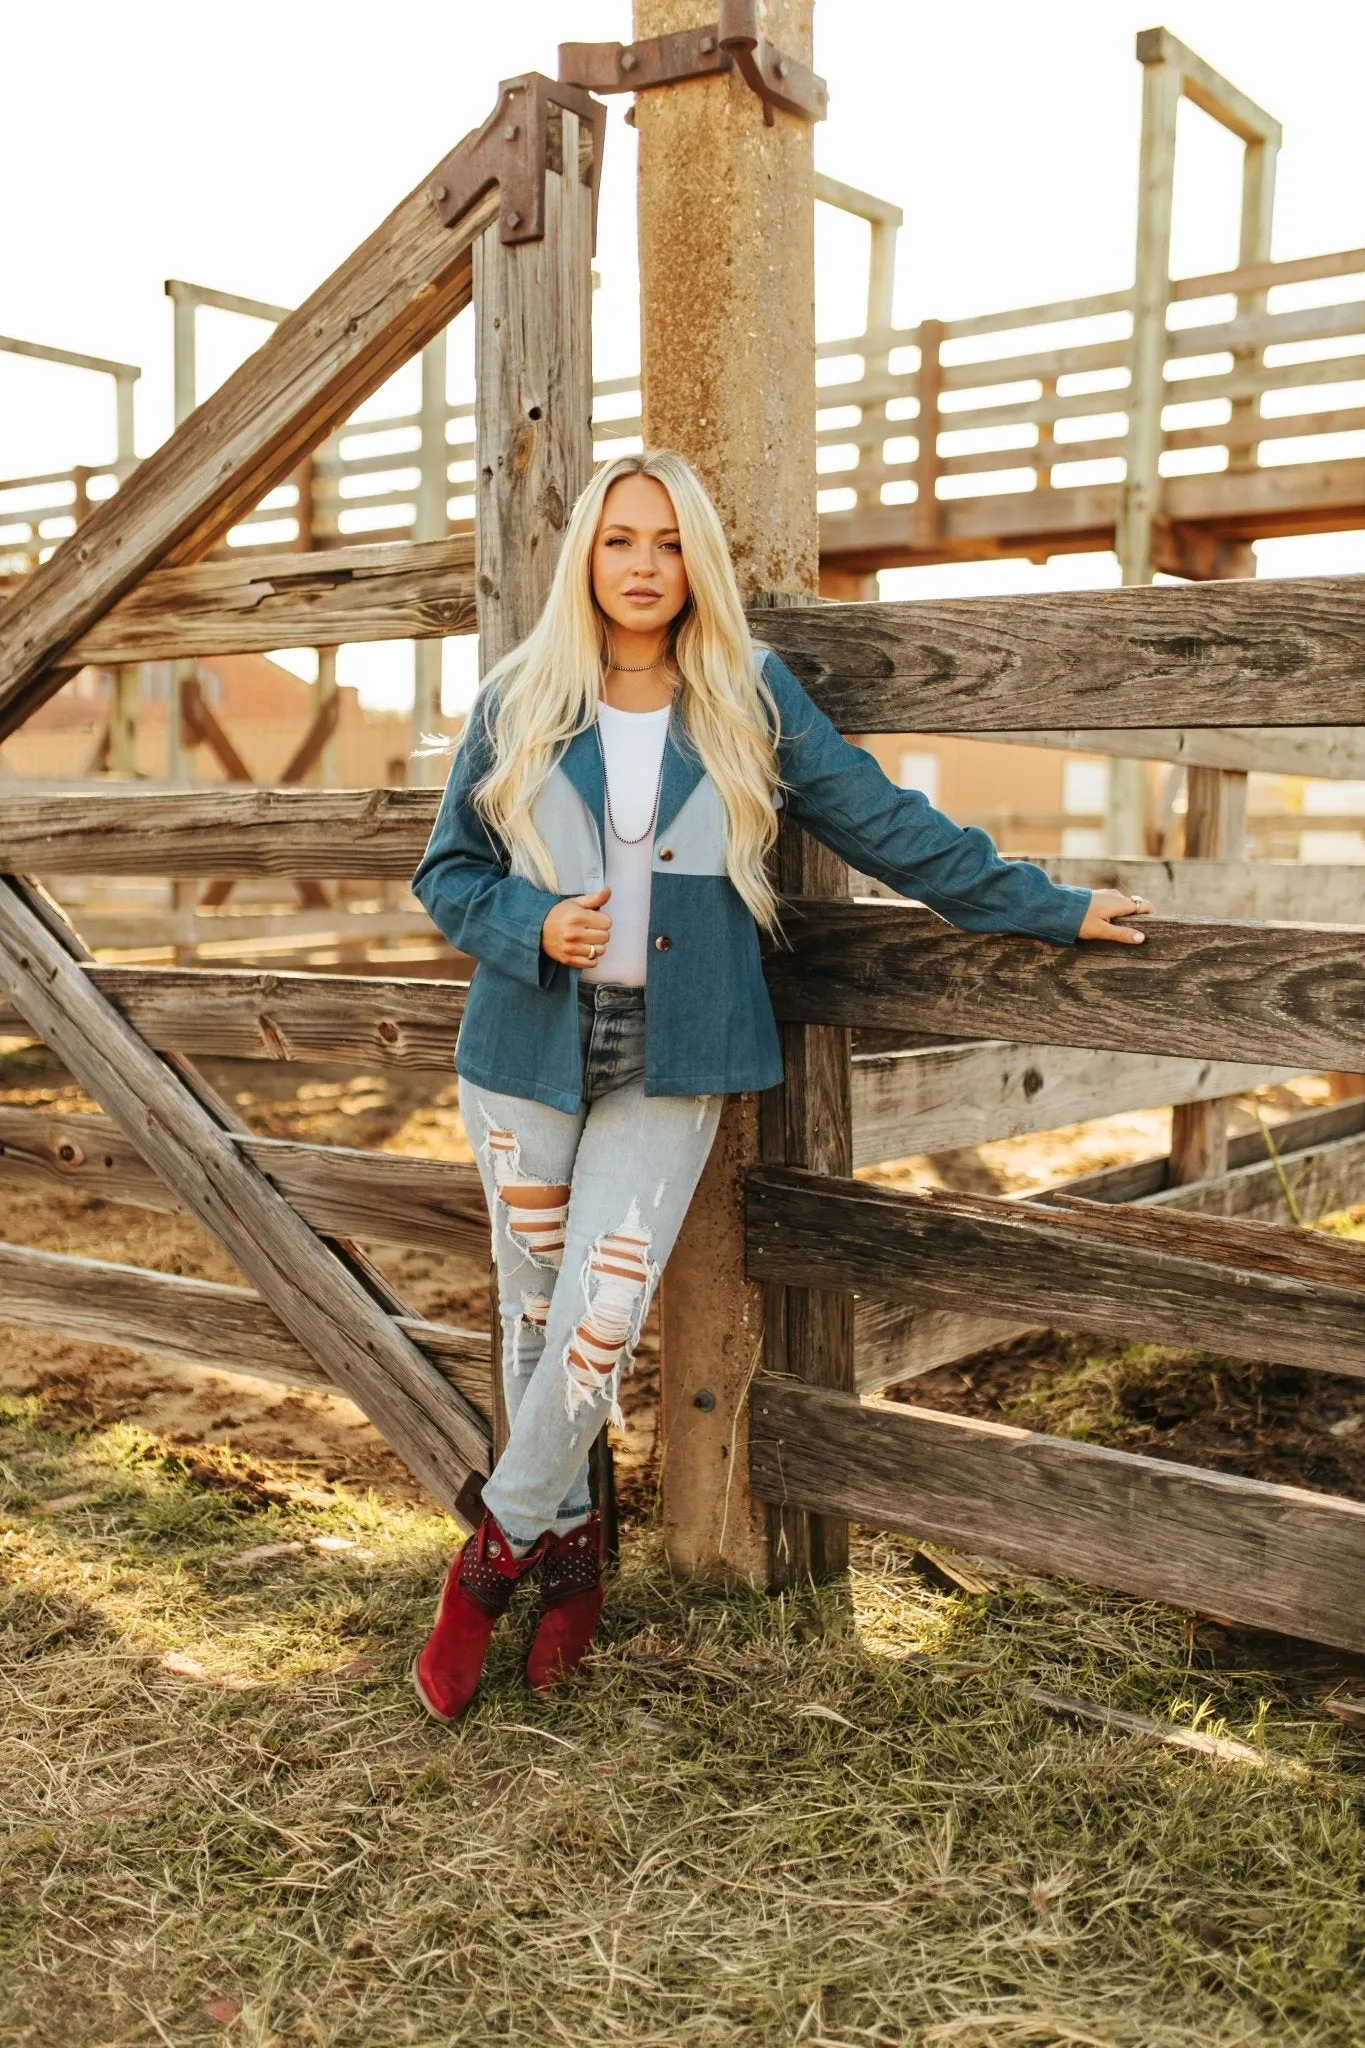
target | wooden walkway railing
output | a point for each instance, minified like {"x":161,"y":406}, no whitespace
{"x":1013,"y":425}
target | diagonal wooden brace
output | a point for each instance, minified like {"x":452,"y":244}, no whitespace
{"x":323,"y":1304}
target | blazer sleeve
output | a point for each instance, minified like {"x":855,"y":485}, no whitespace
{"x":463,"y":881}
{"x":841,"y":795}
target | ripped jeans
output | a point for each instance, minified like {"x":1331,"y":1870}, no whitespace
{"x":585,"y":1211}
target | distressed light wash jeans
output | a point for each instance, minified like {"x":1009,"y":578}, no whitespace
{"x":585,"y":1211}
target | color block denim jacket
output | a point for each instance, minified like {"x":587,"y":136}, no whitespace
{"x":709,"y":1027}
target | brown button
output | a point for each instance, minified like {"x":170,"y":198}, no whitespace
{"x":662,"y":943}
{"x":665,"y":853}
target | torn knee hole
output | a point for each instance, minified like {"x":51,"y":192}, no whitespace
{"x":536,"y":1213}
{"x":617,"y":1280}
{"x":535,"y":1310}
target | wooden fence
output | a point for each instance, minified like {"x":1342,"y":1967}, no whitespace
{"x":1209,"y":1003}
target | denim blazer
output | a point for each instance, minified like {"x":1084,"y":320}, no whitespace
{"x":709,"y":1027}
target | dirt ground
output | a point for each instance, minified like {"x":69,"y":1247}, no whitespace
{"x":1262,"y":1421}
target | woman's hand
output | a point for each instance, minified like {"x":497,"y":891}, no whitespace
{"x":1105,"y":906}
{"x":575,"y":932}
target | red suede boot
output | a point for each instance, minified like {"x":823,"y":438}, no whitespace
{"x":478,"y":1588}
{"x":570,"y":1602}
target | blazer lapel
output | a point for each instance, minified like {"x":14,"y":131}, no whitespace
{"x":682,"y":772}
{"x":582,"y":763}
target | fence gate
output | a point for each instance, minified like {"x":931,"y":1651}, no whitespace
{"x":1261,"y":655}
{"x":506,"y":221}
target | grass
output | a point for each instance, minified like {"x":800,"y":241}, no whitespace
{"x":755,"y":1821}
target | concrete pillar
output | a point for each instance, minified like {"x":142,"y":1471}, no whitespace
{"x":727,"y":291}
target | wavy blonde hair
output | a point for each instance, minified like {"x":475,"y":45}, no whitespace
{"x":549,"y":687}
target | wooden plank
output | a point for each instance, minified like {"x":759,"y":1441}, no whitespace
{"x":244,"y":1013}
{"x":1321,"y":1160}
{"x":1262,"y":653}
{"x":395,"y":590}
{"x":1274,"y":1557}
{"x":1288,"y":994}
{"x":403,"y":284}
{"x":199,"y":1322}
{"x":533,"y":434}
{"x":320,"y":1301}
{"x":1216,"y":830}
{"x":346,"y":834}
{"x":941,"y":1097}
{"x":383,"y":1197}
{"x":1327,"y":752}
{"x":808,"y":1122}
{"x":533,"y":305}
{"x":1241,"y":1290}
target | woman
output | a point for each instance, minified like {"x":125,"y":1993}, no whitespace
{"x":600,"y":850}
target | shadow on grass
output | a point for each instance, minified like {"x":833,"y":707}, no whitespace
{"x":816,"y":1819}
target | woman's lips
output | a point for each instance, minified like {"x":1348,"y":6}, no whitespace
{"x":642,"y":596}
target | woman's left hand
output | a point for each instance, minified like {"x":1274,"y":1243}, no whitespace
{"x":1105,"y":906}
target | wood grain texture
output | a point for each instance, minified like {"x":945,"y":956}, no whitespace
{"x":1274,"y":1557}
{"x":382,"y":1197}
{"x":243,"y":1013}
{"x":390,"y":591}
{"x":533,"y":345}
{"x":1239,"y":1289}
{"x":403,"y":284}
{"x":320,"y":1301}
{"x":936,"y":1098}
{"x":1321,"y":1161}
{"x":348,"y":834}
{"x":808,"y":1121}
{"x":1285,"y":995}
{"x":1335,"y":752}
{"x":1269,"y":891}
{"x":199,"y":1322}
{"x":1241,"y":653}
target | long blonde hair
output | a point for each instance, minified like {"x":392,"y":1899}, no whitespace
{"x":548,"y":688}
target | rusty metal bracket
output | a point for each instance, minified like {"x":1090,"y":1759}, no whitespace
{"x":515,"y":146}
{"x":733,"y":44}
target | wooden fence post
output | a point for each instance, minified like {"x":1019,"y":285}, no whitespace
{"x":728,"y":378}
{"x":533,"y":429}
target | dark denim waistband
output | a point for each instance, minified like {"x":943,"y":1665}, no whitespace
{"x":610,"y":995}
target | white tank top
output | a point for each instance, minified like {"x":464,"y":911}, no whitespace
{"x":632,"y":750}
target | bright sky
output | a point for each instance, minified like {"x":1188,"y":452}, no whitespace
{"x":251,"y":148}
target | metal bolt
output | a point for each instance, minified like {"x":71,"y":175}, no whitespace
{"x":782,"y":67}
{"x":514,"y":220}
{"x":708,"y":44}
{"x":629,"y":60}
{"x":705,"y":1400}
{"x":511,"y":132}
{"x":441,"y":192}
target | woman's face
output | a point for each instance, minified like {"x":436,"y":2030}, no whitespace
{"x":638,"y":578}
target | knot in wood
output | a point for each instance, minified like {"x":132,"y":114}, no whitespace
{"x":388,"y":1031}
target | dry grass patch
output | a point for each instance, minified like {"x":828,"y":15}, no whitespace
{"x":767,"y":1822}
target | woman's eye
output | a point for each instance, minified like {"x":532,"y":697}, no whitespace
{"x":615,"y":540}
{"x":674,"y":547}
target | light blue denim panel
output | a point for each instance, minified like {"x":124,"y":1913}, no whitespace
{"x":569,"y":830}
{"x":695,"y":840}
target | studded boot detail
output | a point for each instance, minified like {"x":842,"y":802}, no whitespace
{"x":478,"y":1588}
{"x":570,"y":1603}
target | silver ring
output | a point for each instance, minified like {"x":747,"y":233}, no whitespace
{"x":1135,"y":899}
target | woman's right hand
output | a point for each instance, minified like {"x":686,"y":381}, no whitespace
{"x":576,"y":932}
